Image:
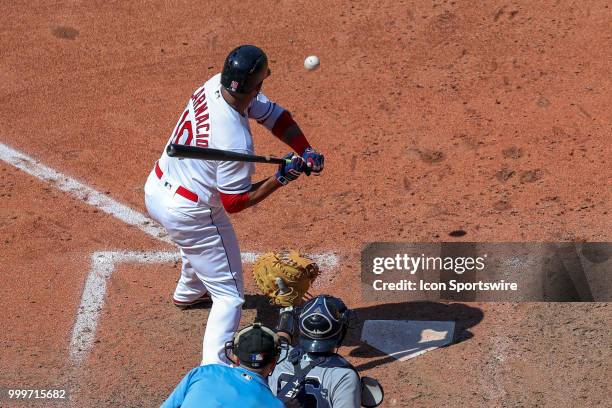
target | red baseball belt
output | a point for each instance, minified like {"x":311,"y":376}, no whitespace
{"x":190,"y":195}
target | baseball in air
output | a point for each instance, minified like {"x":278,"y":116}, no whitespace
{"x":311,"y":63}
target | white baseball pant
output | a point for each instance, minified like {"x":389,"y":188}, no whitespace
{"x":211,"y":260}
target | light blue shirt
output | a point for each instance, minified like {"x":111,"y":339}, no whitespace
{"x":216,"y":385}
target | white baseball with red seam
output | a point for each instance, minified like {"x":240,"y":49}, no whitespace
{"x":311,"y":62}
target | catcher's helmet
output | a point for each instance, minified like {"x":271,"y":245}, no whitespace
{"x":241,"y":69}
{"x":323,"y":324}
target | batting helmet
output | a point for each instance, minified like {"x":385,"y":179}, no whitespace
{"x":242,"y":68}
{"x":323,"y":324}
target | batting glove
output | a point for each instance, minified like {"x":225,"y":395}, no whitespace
{"x":290,"y":171}
{"x":314,"y":161}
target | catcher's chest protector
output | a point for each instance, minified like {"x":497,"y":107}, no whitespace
{"x":307,"y":389}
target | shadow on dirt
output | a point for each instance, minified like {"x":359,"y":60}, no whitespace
{"x":266,"y":313}
{"x":463,"y":315}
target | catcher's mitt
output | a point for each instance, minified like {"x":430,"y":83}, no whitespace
{"x":284,"y":277}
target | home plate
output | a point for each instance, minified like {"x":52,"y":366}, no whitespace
{"x":405,"y":339}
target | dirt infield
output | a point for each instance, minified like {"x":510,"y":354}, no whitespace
{"x":434,"y":117}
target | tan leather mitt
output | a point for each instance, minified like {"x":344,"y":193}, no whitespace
{"x":285,"y":276}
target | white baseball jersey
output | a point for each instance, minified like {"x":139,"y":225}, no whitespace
{"x":209,"y":121}
{"x":201,"y":228}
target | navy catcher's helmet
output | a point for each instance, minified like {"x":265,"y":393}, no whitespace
{"x":323,"y":324}
{"x":241,"y":69}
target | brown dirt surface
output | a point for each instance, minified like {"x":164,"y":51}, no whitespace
{"x":490,"y":118}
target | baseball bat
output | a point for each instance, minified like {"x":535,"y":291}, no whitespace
{"x":202,"y":153}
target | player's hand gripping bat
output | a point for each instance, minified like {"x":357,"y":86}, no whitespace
{"x":192,"y":152}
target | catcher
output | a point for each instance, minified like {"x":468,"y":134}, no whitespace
{"x":313,"y":375}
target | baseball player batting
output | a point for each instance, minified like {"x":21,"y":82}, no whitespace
{"x":191,"y":198}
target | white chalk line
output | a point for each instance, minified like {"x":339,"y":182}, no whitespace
{"x":82,"y":192}
{"x":103,"y":263}
{"x":492,"y":376}
{"x":102,"y":267}
{"x":92,"y":299}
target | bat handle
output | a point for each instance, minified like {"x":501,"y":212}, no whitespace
{"x":279,"y":161}
{"x":289,"y":160}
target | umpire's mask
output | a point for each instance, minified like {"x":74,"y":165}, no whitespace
{"x":323,"y":324}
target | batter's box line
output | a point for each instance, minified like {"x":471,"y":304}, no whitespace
{"x":103,"y":264}
{"x":82,"y":192}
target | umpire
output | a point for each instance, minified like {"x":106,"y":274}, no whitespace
{"x":313,"y":373}
{"x":256,"y":350}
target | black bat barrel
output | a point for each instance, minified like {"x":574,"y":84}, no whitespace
{"x":203,"y":153}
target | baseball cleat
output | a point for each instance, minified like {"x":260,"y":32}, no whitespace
{"x":186,"y":305}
